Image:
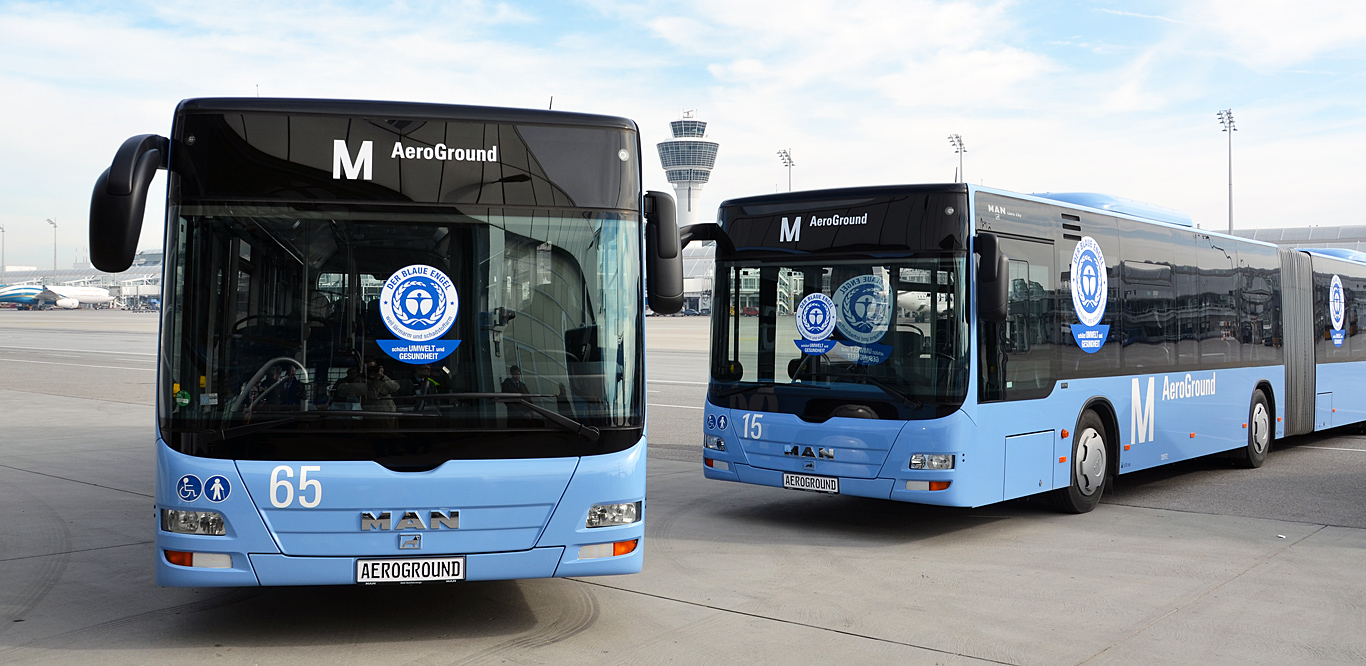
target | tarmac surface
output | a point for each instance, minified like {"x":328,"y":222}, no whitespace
{"x":1196,"y":562}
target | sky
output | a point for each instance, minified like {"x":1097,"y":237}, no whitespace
{"x":1048,"y":96}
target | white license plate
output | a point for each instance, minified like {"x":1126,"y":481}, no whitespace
{"x":410,"y":570}
{"x":819,"y":484}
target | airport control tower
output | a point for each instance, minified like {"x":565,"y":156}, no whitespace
{"x":687,"y":160}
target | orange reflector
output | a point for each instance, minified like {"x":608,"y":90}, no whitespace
{"x":939,"y":485}
{"x":707,"y":462}
{"x":1244,"y":426}
{"x":1062,"y":458}
{"x":1192,"y":435}
{"x":1126,"y":447}
{"x":624,"y":547}
{"x":1278,"y":419}
{"x":1065,"y":433}
{"x":181,"y":558}
{"x":1335,"y":410}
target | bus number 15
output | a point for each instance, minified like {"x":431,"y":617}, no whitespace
{"x":278,"y":484}
{"x":752,"y":429}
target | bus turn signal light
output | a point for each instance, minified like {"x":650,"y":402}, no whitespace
{"x":939,"y":485}
{"x":624,"y":547}
{"x":1065,"y":433}
{"x":180,"y":558}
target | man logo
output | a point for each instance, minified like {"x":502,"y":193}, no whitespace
{"x":791,"y":233}
{"x":341,"y":160}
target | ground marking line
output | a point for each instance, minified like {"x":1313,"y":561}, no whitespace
{"x":671,"y":381}
{"x":1204,"y":594}
{"x":1330,"y":448}
{"x":81,"y":550}
{"x":54,"y":476}
{"x":791,"y":622}
{"x":655,"y":404}
{"x":78,"y":365}
{"x":91,"y":351}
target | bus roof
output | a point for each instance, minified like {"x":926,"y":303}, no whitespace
{"x":1344,"y":254}
{"x":382,"y":109}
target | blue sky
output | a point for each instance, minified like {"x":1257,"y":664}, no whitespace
{"x":1115,"y":97}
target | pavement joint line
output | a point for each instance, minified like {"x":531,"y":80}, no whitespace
{"x":1232,"y":515}
{"x":1204,"y":594}
{"x":671,"y":381}
{"x":792,"y":622}
{"x":54,"y":476}
{"x":655,"y":404}
{"x":81,"y":351}
{"x":1331,"y":448}
{"x":77,"y":365}
{"x":78,"y":550}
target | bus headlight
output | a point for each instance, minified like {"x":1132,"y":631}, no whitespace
{"x":193,"y":522}
{"x":932,"y":461}
{"x":607,"y":515}
{"x":714,"y":442}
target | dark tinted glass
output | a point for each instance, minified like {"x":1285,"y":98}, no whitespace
{"x":276,"y":156}
{"x":1149,"y":297}
{"x":1218,"y":325}
{"x":1259,"y":303}
{"x":277,"y":337}
{"x":1021,"y":351}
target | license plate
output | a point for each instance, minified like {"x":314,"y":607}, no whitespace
{"x":819,"y":484}
{"x":411,"y":570}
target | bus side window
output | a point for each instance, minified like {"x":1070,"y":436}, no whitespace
{"x":1020,"y":355}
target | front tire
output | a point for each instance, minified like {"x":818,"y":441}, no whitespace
{"x":1090,"y":467}
{"x":1260,"y":433}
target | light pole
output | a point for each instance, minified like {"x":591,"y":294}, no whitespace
{"x":786,"y":156}
{"x":53,"y":222}
{"x":957,"y":143}
{"x":1226,"y":119}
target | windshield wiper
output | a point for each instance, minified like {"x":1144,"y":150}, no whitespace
{"x":587,"y":432}
{"x":214,"y":436}
{"x":758,"y":385}
{"x":890,"y":389}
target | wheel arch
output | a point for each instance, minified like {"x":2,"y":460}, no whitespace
{"x":1264,"y":386}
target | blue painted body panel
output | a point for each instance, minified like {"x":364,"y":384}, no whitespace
{"x":992,"y":462}
{"x":1346,"y":400}
{"x":518,"y":518}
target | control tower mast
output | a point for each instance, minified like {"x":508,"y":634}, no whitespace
{"x":688,"y":160}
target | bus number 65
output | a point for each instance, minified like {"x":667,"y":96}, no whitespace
{"x":277,"y":484}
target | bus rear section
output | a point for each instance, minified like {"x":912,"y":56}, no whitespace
{"x":401,"y":342}
{"x":962,"y":346}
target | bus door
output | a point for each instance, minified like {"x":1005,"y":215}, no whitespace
{"x":1018,"y":357}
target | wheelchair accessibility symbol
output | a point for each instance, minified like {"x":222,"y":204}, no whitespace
{"x":188,"y":488}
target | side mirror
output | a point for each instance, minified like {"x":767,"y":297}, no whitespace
{"x":663,"y":254}
{"x":119,"y":199}
{"x":993,"y":278}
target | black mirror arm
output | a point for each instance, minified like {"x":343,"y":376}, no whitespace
{"x":707,"y":232}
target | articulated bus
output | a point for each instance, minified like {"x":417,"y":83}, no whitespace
{"x":959,"y":345}
{"x":400,"y":342}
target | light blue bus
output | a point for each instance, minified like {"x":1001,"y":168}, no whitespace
{"x":400,"y":342}
{"x":959,"y":345}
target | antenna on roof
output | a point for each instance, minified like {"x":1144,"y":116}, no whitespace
{"x":552,"y":103}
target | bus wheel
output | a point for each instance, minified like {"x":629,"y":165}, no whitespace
{"x":1089,"y":467}
{"x":1260,"y":433}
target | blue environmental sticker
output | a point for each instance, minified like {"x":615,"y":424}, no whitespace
{"x":1090,"y":289}
{"x":419,"y":304}
{"x":1337,"y":311}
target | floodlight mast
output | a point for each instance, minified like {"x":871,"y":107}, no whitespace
{"x":1226,"y":119}
{"x":957,"y":142}
{"x":53,"y":222}
{"x":786,"y":156}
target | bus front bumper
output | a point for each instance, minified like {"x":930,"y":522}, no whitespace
{"x":878,"y":488}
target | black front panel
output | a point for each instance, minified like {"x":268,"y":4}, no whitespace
{"x":275,"y":156}
{"x":878,"y":220}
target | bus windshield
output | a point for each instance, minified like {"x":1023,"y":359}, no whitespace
{"x":897,"y":345}
{"x":286,"y":337}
